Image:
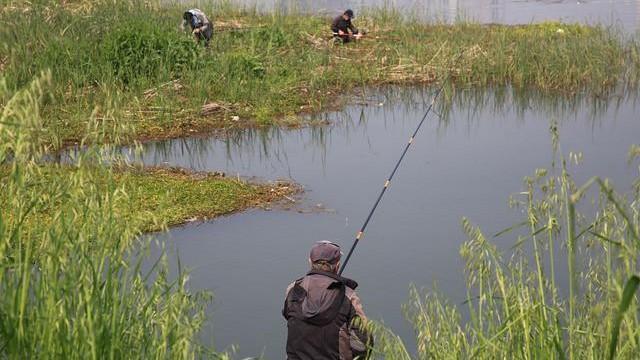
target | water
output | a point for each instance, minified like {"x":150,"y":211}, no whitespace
{"x":624,"y":14}
{"x":621,"y":14}
{"x":466,"y":166}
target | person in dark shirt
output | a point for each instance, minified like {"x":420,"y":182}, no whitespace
{"x":343,"y":29}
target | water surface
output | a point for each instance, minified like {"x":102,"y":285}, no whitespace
{"x":466,"y":166}
{"x":623,"y":14}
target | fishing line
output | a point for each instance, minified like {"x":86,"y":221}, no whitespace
{"x":360,"y":233}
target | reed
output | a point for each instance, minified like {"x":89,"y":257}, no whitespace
{"x":263,"y":67}
{"x":72,"y":283}
{"x":566,"y":290}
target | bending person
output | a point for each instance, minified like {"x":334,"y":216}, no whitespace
{"x":201,"y":27}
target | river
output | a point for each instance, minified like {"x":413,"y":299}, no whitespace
{"x":622,"y":14}
{"x":465,"y":165}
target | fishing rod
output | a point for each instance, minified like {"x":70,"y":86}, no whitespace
{"x":388,"y":181}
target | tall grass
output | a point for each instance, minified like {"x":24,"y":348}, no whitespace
{"x":572,"y":294}
{"x":262,"y":66}
{"x":71,"y":285}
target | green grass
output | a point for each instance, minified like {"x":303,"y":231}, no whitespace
{"x":72,"y":280}
{"x":174,"y":196}
{"x":131,"y":57}
{"x":71,"y":284}
{"x":160,"y":197}
{"x":519,"y":306}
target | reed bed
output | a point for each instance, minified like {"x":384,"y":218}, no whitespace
{"x":267,"y":67}
{"x":72,"y":286}
{"x":572,"y":294}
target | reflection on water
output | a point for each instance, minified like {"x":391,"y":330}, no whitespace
{"x":465,"y":164}
{"x":267,"y":144}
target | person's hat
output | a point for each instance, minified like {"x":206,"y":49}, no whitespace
{"x":349,"y":13}
{"x":325,"y":251}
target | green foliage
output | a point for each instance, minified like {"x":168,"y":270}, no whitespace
{"x":274,"y":65}
{"x":628,"y":294}
{"x":140,"y":50}
{"x":517,"y":305}
{"x":274,"y":36}
{"x":242,"y":66}
{"x":71,"y":283}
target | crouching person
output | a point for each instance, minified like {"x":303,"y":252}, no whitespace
{"x":323,"y":312}
{"x":200,"y":26}
{"x":342,"y":28}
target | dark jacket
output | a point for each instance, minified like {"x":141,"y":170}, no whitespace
{"x":320,"y":309}
{"x":339,"y":23}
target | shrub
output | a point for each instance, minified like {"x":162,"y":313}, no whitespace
{"x":141,"y":51}
{"x":244,"y":66}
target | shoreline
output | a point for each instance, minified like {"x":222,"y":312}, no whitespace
{"x":148,"y":81}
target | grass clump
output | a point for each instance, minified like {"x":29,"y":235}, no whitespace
{"x":160,"y":197}
{"x":265,"y":67}
{"x":140,"y":51}
{"x":175,"y":196}
{"x":569,"y":290}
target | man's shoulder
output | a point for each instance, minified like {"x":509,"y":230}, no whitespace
{"x":292,"y":284}
{"x":289,"y":287}
{"x":350,"y":293}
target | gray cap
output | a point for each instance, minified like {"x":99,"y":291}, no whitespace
{"x":325,"y":251}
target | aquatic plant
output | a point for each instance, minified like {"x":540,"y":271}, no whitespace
{"x":571,"y":294}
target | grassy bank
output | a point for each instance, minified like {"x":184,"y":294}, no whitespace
{"x":160,"y":197}
{"x":71,"y":284}
{"x":175,"y":196}
{"x":568,"y":289}
{"x":72,"y":280}
{"x":130,"y":57}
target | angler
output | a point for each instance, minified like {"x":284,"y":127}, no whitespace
{"x":343,"y":29}
{"x":201,"y":27}
{"x":323,"y":312}
{"x":322,"y":308}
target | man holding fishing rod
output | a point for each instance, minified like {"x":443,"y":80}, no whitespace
{"x":323,"y":312}
{"x":343,"y":29}
{"x":321,"y":307}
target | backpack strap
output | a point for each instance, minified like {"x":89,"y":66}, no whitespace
{"x":348,"y":282}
